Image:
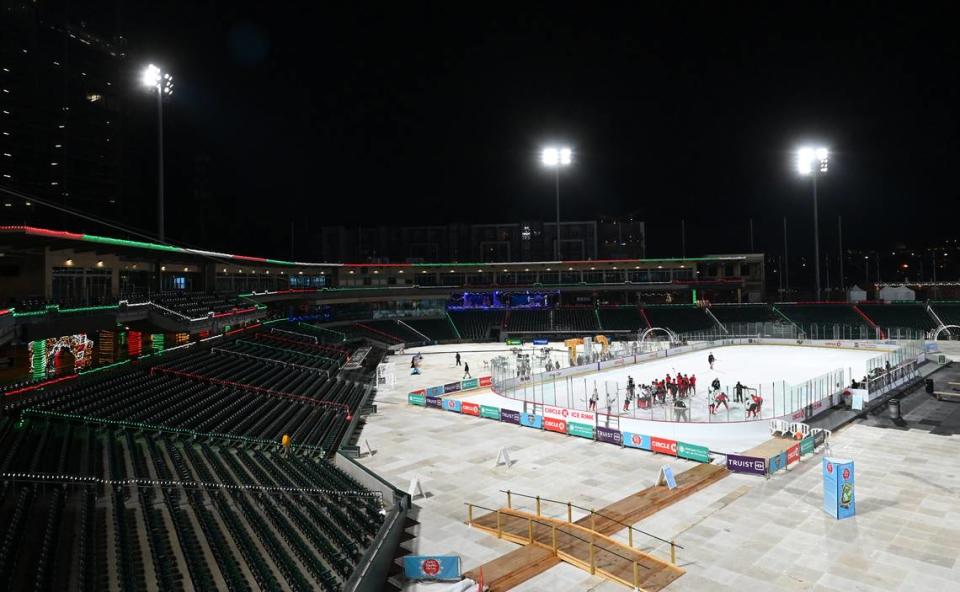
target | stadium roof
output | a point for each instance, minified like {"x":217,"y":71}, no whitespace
{"x":66,"y":239}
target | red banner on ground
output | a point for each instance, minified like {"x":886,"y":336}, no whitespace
{"x":486,"y":380}
{"x":470,"y":409}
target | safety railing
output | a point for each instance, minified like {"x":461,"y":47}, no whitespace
{"x":567,"y":541}
{"x":594,"y":514}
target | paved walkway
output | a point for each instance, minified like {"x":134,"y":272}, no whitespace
{"x":740,"y":534}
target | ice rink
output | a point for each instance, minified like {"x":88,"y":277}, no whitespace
{"x":778,"y":373}
{"x":774,"y":370}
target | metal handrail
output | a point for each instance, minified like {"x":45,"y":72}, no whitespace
{"x":593,"y":512}
{"x":550,"y":525}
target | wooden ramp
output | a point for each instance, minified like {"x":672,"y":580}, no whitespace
{"x":611,"y":559}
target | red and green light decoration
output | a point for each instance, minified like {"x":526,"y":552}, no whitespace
{"x":120,"y":242}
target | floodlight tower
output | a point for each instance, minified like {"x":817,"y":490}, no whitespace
{"x":813,"y":161}
{"x":557,"y":157}
{"x":154,"y":78}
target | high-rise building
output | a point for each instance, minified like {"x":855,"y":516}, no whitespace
{"x":61,"y":111}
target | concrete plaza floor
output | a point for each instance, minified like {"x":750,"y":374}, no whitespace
{"x":740,"y":533}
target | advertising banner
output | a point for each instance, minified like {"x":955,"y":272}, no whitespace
{"x":490,"y":412}
{"x":570,"y":414}
{"x":777,"y":462}
{"x":452,"y":405}
{"x":838,"y":488}
{"x":793,"y":454}
{"x":486,"y":381}
{"x":470,"y":409}
{"x":663,"y":446}
{"x":751,"y":465}
{"x":510,"y":416}
{"x":419,"y":392}
{"x":693,"y":452}
{"x":807,"y":445}
{"x":531,"y":421}
{"x":608,"y":435}
{"x":541,"y":342}
{"x":582,"y":430}
{"x":633,"y":440}
{"x":431,"y":567}
{"x":415,"y":399}
{"x":435,"y":391}
{"x":554,"y":425}
{"x":819,"y":438}
{"x":470,"y":383}
{"x":451,"y":387}
{"x":435,"y":402}
{"x":514,"y":342}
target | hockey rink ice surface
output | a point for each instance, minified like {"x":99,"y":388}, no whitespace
{"x":752,"y":365}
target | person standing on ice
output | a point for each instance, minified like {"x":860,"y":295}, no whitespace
{"x":594,"y":398}
{"x":466,"y":371}
{"x":458,"y":358}
{"x":711,"y":360}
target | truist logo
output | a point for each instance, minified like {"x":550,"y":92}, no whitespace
{"x":747,"y":464}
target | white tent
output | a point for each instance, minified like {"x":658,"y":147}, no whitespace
{"x":896,"y":293}
{"x":856,"y":294}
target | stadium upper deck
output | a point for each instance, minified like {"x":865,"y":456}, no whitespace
{"x":84,"y":269}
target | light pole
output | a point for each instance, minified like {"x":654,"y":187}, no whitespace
{"x":557,"y":157}
{"x":154,"y":78}
{"x":813,"y":161}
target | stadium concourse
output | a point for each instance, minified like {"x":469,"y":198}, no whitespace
{"x":741,"y":532}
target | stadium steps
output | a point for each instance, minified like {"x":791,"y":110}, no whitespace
{"x":869,"y":321}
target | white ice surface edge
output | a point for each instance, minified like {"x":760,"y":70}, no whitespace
{"x":750,"y":364}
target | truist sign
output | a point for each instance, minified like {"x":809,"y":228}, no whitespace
{"x":510,"y":416}
{"x":608,"y":435}
{"x":751,"y":465}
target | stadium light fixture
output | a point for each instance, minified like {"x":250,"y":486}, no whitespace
{"x":557,"y":157}
{"x":154,"y":78}
{"x":813,"y":161}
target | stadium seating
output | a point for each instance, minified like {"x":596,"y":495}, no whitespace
{"x":435,"y":329}
{"x":621,"y":318}
{"x":474,"y":325}
{"x":65,"y":533}
{"x":575,"y":319}
{"x":679,"y":318}
{"x":825,"y":320}
{"x":744,"y":313}
{"x":245,"y":388}
{"x":909,"y":316}
{"x":529,"y":320}
{"x":949,"y":312}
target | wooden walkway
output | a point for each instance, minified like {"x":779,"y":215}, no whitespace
{"x":611,"y":559}
{"x":771,"y":447}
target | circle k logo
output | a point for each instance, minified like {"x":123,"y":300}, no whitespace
{"x":431,"y":567}
{"x":846,"y":473}
{"x":564,"y":413}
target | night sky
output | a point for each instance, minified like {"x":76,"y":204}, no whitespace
{"x":423,"y":114}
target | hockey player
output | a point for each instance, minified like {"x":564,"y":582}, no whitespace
{"x":711,"y":360}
